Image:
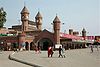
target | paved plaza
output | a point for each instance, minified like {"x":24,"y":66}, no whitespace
{"x":74,"y":58}
{"x":5,"y":62}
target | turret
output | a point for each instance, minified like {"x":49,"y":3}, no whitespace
{"x":38,"y":20}
{"x":71,"y":31}
{"x":24,"y":18}
{"x":56,"y":26}
{"x":83,"y":33}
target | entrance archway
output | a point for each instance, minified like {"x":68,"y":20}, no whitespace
{"x":45,"y":43}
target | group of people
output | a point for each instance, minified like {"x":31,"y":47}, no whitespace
{"x":61,"y":52}
{"x":91,"y":46}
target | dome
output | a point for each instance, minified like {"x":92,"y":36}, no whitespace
{"x":24,"y":10}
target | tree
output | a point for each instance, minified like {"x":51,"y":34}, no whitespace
{"x":2,"y":17}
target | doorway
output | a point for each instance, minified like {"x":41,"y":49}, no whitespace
{"x":45,"y":43}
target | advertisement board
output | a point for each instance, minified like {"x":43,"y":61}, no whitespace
{"x":58,"y":45}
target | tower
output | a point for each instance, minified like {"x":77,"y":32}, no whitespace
{"x":38,"y":20}
{"x":71,"y":31}
{"x":24,"y":18}
{"x":56,"y":26}
{"x":84,"y":33}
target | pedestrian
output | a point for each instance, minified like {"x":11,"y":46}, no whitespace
{"x":60,"y":52}
{"x":91,"y":48}
{"x":50,"y":51}
{"x":39,"y":50}
{"x":63,"y":52}
{"x":36,"y":49}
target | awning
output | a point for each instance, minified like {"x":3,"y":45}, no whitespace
{"x":63,"y":35}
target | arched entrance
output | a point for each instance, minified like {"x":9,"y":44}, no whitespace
{"x":45,"y":43}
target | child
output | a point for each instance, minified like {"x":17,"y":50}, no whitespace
{"x":63,"y":52}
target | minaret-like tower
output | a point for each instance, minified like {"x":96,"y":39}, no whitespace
{"x":56,"y":26}
{"x":84,"y":33}
{"x":24,"y":18}
{"x":71,"y":31}
{"x":38,"y":20}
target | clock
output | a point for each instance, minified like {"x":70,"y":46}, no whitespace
{"x":25,"y":17}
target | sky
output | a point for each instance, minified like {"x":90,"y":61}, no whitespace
{"x":75,"y":14}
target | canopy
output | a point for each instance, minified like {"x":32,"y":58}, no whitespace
{"x":63,"y":35}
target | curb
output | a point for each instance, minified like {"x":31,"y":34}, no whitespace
{"x":21,"y":61}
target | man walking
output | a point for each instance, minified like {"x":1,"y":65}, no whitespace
{"x":60,"y":50}
{"x":91,"y":48}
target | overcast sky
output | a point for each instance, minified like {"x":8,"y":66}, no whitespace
{"x":75,"y":14}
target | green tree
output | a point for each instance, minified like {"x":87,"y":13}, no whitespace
{"x":2,"y":17}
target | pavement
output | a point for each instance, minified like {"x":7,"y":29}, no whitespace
{"x":74,"y":58}
{"x":5,"y":62}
